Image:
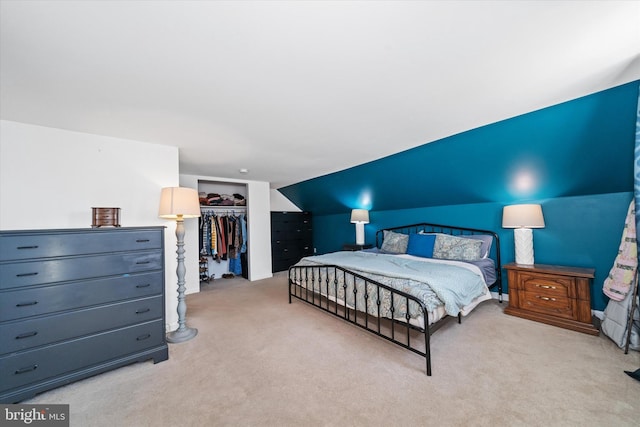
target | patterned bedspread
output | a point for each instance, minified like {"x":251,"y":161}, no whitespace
{"x":434,"y":282}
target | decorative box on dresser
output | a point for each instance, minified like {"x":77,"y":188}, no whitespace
{"x":78,"y":302}
{"x":291,"y":238}
{"x":552,"y":294}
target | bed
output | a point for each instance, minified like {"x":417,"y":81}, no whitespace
{"x":404,"y":288}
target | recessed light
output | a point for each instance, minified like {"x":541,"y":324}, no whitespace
{"x":243,"y":170}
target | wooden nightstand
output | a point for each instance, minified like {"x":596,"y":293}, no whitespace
{"x":354,"y":247}
{"x":552,"y":294}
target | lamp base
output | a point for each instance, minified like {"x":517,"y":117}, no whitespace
{"x":523,"y":239}
{"x":183,"y":335}
{"x":359,"y":233}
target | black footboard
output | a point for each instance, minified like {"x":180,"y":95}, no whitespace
{"x":389,"y":313}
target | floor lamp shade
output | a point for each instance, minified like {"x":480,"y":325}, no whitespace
{"x":360,"y":217}
{"x":523,"y":218}
{"x":179,"y":203}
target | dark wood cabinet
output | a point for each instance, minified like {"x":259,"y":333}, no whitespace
{"x":552,"y":294}
{"x":291,"y":238}
{"x":78,"y":302}
{"x":355,"y":247}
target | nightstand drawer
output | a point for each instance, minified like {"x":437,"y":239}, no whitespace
{"x":554,"y":306}
{"x":547,"y":285}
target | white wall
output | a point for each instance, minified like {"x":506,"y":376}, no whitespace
{"x":279,"y":203}
{"x":51,"y":178}
{"x":258,"y":230}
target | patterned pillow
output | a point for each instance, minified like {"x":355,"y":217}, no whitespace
{"x":486,"y":239}
{"x":394,"y":243}
{"x":456,"y":248}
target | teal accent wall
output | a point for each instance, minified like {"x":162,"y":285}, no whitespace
{"x":575,"y":158}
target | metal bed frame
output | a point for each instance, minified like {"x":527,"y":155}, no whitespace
{"x":311,"y":284}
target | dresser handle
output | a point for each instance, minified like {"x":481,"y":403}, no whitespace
{"x":142,"y":262}
{"x":144,"y":310}
{"x":146,"y":285}
{"x":545,"y":298}
{"x":27,"y":274}
{"x":27,"y":247}
{"x":26,"y":304}
{"x":546,"y":286}
{"x":27,"y":369}
{"x":143,"y":337}
{"x":142,"y":240}
{"x":27,"y":335}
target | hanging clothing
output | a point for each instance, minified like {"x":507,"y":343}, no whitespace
{"x":621,"y":277}
{"x":243,"y":228}
{"x":223,"y":237}
{"x":619,"y":287}
{"x":615,"y":323}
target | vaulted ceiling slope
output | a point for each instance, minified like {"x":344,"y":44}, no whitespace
{"x":581,"y":147}
{"x":294,"y":90}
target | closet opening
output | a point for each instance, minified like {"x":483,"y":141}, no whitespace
{"x":223,"y":238}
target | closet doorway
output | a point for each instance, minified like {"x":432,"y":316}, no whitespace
{"x":223,"y":237}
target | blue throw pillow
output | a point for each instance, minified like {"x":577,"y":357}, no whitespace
{"x":421,"y":245}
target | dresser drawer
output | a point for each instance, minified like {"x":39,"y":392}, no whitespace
{"x":293,"y":234}
{"x":34,"y":245}
{"x":23,"y":368}
{"x":27,"y":302}
{"x":28,"y":273}
{"x":17,"y":336}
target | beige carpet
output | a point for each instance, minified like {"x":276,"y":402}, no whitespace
{"x":258,"y":360}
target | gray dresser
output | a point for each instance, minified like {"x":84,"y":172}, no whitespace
{"x":78,"y":302}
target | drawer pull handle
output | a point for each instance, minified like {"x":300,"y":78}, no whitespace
{"x":545,"y":298}
{"x":27,"y":369}
{"x":146,"y":285}
{"x":27,"y":335}
{"x":27,"y":274}
{"x":144,"y":310}
{"x":143,"y":337}
{"x":28,"y":247}
{"x":142,"y":262}
{"x":546,"y":286}
{"x":142,"y":240}
{"x":26,"y":304}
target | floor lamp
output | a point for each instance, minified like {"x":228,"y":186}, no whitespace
{"x":179,"y":203}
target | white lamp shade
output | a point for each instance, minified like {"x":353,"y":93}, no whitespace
{"x":522,"y":216}
{"x":179,"y":202}
{"x":360,"y":216}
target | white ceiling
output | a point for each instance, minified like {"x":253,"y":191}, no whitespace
{"x":295,"y":90}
